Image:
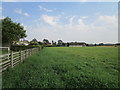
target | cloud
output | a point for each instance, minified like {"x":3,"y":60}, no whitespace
{"x":51,"y":20}
{"x":74,"y":23}
{"x":106,"y":22}
{"x":84,"y":17}
{"x":26,"y":14}
{"x":102,"y":29}
{"x":71,"y":19}
{"x":2,"y":17}
{"x":19,"y":11}
{"x":83,"y":0}
{"x":1,"y":8}
{"x":108,"y":19}
{"x":62,"y":13}
{"x":44,"y":9}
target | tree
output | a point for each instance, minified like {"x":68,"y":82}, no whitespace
{"x":40,"y":43}
{"x":34,"y":42}
{"x":68,"y":44}
{"x":101,"y":44}
{"x":11,"y":31}
{"x":45,"y":41}
{"x":60,"y":42}
{"x":52,"y":42}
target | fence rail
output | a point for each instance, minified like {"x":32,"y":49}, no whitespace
{"x":14,"y":58}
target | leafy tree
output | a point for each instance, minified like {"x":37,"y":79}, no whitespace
{"x":52,"y":42}
{"x":60,"y":42}
{"x":11,"y":31}
{"x":40,"y":43}
{"x":34,"y":42}
{"x":45,"y":41}
{"x":101,"y":44}
{"x":68,"y":44}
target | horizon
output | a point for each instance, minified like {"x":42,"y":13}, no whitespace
{"x":72,"y":41}
{"x":91,"y":22}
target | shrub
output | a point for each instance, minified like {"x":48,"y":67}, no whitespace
{"x":22,"y":47}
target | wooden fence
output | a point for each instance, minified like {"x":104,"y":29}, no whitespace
{"x":14,"y":58}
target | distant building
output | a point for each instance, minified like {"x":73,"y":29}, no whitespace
{"x":77,"y":44}
{"x":24,"y":42}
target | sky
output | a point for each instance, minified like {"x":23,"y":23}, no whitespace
{"x":90,"y":22}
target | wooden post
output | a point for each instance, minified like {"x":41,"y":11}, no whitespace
{"x":21,"y":56}
{"x":28,"y":52}
{"x":25,"y":54}
{"x":11,"y":59}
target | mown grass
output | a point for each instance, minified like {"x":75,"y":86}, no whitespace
{"x":3,"y":52}
{"x":66,"y":67}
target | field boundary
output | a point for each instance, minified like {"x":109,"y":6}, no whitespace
{"x":14,"y":58}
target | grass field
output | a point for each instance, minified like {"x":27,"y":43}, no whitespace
{"x":66,"y":67}
{"x":3,"y":52}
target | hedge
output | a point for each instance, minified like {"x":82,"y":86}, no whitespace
{"x":22,"y":47}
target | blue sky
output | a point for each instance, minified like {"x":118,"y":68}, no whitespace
{"x":91,"y":22}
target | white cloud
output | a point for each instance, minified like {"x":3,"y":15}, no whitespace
{"x":101,"y":29}
{"x":45,"y":9}
{"x":51,"y":20}
{"x":84,"y":17}
{"x":108,"y":19}
{"x":62,"y":13}
{"x":106,"y":22}
{"x":83,"y":0}
{"x":1,"y":9}
{"x":19,"y":11}
{"x":26,"y":14}
{"x":2,"y":17}
{"x":81,"y":25}
{"x":101,"y":23}
{"x":71,"y":19}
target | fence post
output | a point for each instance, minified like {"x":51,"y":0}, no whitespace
{"x":21,"y":56}
{"x":25,"y":54}
{"x":11,"y":59}
{"x":28,"y":53}
{"x":39,"y":48}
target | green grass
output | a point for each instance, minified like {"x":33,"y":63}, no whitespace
{"x":3,"y":52}
{"x":66,"y":67}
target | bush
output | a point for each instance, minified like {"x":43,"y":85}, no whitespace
{"x":22,"y":47}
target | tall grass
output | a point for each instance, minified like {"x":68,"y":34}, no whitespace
{"x":66,"y":67}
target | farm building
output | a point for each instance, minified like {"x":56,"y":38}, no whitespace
{"x":22,"y":42}
{"x":77,"y":44}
